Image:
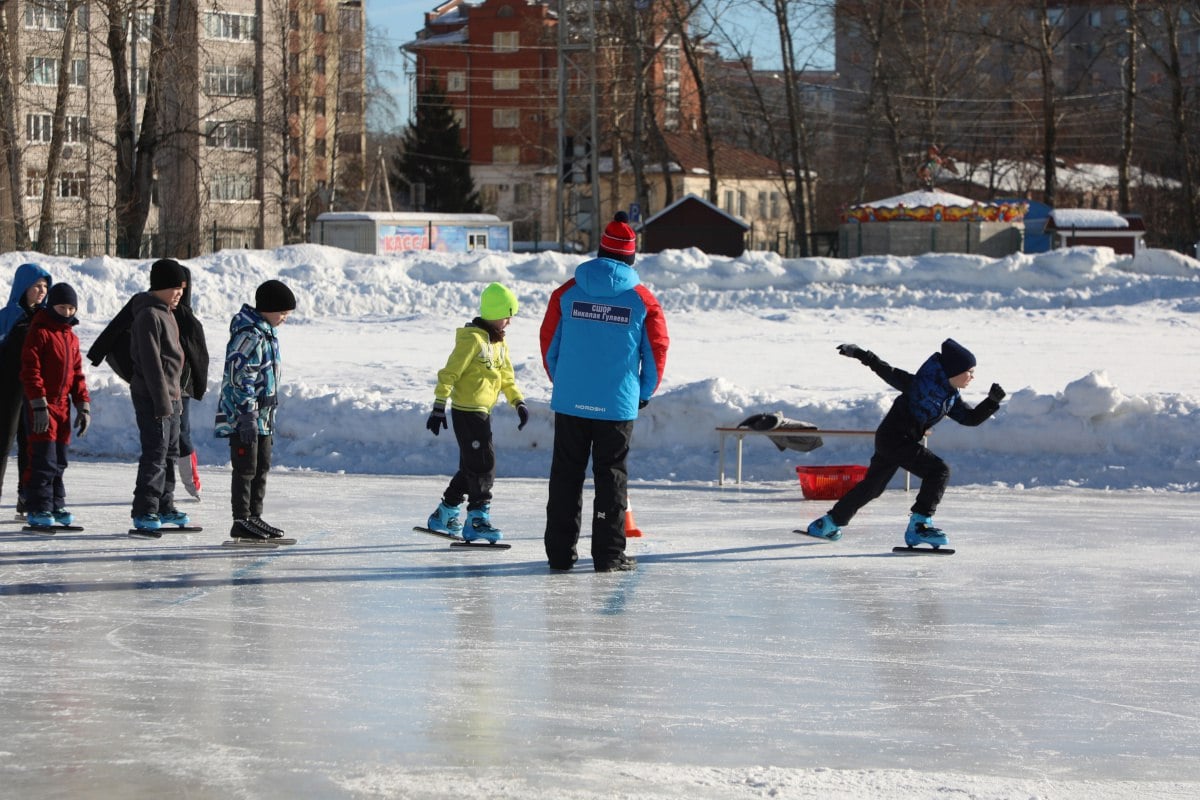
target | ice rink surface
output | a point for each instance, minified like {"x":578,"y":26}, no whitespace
{"x":1056,"y":655}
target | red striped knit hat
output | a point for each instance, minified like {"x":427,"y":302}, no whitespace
{"x":619,"y":241}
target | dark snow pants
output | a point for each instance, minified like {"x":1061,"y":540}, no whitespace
{"x":251,"y":463}
{"x":893,"y":452}
{"x":154,"y":492}
{"x":607,"y":444}
{"x":476,"y":473}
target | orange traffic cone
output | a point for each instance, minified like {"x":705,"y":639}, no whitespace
{"x":631,"y":528}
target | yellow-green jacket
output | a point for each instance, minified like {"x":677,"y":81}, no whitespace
{"x":477,"y":372}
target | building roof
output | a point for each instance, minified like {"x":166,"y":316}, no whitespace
{"x":691,"y":198}
{"x":1094,"y":220}
{"x":688,"y":156}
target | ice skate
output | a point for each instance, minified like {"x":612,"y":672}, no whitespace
{"x":921,"y":531}
{"x":479,"y":526}
{"x":445,"y":520}
{"x":270,"y":530}
{"x":63,"y":517}
{"x":174,"y":517}
{"x":823,"y":528}
{"x":40,"y":519}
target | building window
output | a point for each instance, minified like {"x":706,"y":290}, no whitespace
{"x":319,"y":23}
{"x":349,"y":19}
{"x":233,"y":27}
{"x":506,"y":154}
{"x":350,"y":103}
{"x":47,"y":15}
{"x":142,"y":78}
{"x":231,"y":187}
{"x":506,"y":117}
{"x":505,"y":41}
{"x":351,"y":62}
{"x":38,"y":127}
{"x":229,"y":135}
{"x":775,"y":209}
{"x":293,"y":189}
{"x":350,"y":143}
{"x":293,"y":20}
{"x":456,"y":81}
{"x":762,"y":205}
{"x":319,"y":104}
{"x":71,"y":184}
{"x":319,"y":64}
{"x":523,"y":194}
{"x":229,"y":81}
{"x":70,"y":241}
{"x":506,"y":80}
{"x":293,"y":63}
{"x":741,"y":204}
{"x":1095,"y":18}
{"x":35,"y":181}
{"x":79,"y":72}
{"x":729,"y":201}
{"x":319,"y":148}
{"x":42,"y":71}
{"x":460,"y":117}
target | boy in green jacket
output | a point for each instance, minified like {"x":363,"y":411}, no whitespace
{"x":478,"y":370}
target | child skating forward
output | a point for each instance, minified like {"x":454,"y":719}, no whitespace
{"x":52,"y":378}
{"x":925,"y":398}
{"x":477,"y":372}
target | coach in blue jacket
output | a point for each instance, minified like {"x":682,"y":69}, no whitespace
{"x":604,"y":345}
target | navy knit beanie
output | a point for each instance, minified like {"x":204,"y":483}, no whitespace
{"x":166,"y":273}
{"x":956,"y":359}
{"x":62,"y":294}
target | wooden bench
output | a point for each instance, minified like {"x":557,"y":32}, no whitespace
{"x":739,"y":434}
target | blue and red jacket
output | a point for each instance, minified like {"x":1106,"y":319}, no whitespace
{"x":604,"y":342}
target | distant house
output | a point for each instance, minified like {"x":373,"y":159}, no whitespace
{"x":931,"y":221}
{"x":1082,"y":227}
{"x":694,"y":222}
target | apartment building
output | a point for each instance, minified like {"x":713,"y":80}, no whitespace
{"x":261,"y":120}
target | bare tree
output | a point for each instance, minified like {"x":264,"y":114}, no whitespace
{"x":13,"y":230}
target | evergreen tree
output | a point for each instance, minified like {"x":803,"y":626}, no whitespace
{"x":433,"y":156}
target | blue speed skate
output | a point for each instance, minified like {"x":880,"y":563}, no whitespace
{"x":445,"y":520}
{"x":40,"y":519}
{"x":921,"y":531}
{"x":479,"y":526}
{"x":823,"y":528}
{"x":63,"y":517}
{"x":174,"y":518}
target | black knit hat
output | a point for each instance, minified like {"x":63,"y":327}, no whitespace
{"x":62,"y":294}
{"x":274,"y":295}
{"x":956,"y":359}
{"x":167,"y":273}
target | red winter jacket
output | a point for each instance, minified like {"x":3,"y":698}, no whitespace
{"x":51,"y":367}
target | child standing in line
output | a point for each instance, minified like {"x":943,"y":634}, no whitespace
{"x":477,"y":371}
{"x":28,"y":294}
{"x":248,"y":402}
{"x":924,"y":400}
{"x":52,"y":378}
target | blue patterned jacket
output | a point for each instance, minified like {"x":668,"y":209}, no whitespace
{"x":251,"y":378}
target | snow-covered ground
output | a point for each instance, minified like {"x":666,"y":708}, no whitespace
{"x":1051,"y":657}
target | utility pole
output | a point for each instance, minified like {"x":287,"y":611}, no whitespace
{"x":577,"y":197}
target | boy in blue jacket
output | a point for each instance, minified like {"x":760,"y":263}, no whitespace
{"x":924,"y":400}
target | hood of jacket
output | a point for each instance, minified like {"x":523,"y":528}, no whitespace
{"x":247,"y":317}
{"x":26,"y":276}
{"x":604,"y":277}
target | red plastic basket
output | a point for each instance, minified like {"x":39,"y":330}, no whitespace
{"x":829,"y":483}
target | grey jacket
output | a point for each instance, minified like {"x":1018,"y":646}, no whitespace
{"x":156,"y":353}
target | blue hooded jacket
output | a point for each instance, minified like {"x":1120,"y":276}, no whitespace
{"x":14,"y":312}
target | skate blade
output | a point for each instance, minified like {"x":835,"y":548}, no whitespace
{"x":924,"y":551}
{"x":432,"y":532}
{"x":250,"y":544}
{"x":181,"y":529}
{"x":480,"y":544}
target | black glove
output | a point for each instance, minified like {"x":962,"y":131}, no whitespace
{"x":856,"y":352}
{"x":437,"y":418}
{"x":996,"y":393}
{"x":523,"y":415}
{"x":247,"y":427}
{"x":41,"y":415}
{"x":643,"y":403}
{"x":83,"y":418}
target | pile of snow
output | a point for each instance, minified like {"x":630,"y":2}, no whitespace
{"x":1091,"y":346}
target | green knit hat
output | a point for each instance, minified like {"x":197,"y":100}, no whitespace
{"x":497,"y":302}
